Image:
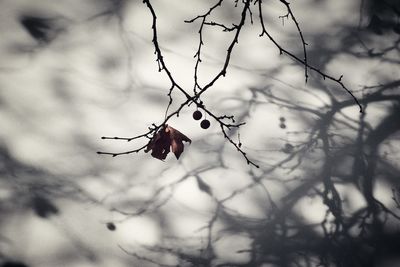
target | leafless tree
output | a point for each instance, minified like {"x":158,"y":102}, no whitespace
{"x":342,"y":159}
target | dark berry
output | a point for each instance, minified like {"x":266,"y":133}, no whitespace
{"x":282,"y":119}
{"x":197,"y":115}
{"x":111,"y":226}
{"x":282,"y":125}
{"x":205,"y":124}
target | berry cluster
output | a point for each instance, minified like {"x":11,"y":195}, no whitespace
{"x":197,"y":115}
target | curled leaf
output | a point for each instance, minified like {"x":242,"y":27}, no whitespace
{"x":164,"y":140}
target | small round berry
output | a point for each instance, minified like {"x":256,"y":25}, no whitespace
{"x":282,"y":119}
{"x":111,"y":226}
{"x":197,"y":115}
{"x":205,"y":124}
{"x":282,"y":125}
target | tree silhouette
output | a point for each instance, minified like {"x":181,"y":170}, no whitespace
{"x":226,"y":122}
{"x":288,"y":173}
{"x":282,"y":239}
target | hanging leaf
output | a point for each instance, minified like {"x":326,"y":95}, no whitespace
{"x":164,"y":140}
{"x":177,"y":139}
{"x":159,"y":144}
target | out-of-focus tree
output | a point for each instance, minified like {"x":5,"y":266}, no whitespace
{"x":297,"y":166}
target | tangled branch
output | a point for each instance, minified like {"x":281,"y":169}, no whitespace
{"x":226,"y":122}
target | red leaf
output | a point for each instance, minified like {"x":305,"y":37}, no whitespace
{"x":177,"y":139}
{"x":159,"y":145}
{"x":165,"y":139}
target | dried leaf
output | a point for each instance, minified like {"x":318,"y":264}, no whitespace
{"x":165,"y":139}
{"x":177,"y":139}
{"x":159,"y":144}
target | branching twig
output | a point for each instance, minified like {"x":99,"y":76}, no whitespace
{"x":198,"y":90}
{"x":189,"y":98}
{"x":303,"y":62}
